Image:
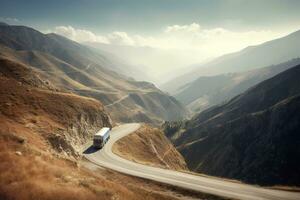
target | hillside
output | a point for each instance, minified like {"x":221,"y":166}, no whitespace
{"x":149,"y":146}
{"x":207,"y":91}
{"x":269,"y":53}
{"x":254,"y":137}
{"x":126,"y":56}
{"x":64,"y":120}
{"x":76,"y":68}
{"x":42,"y":131}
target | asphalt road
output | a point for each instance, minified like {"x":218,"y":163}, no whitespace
{"x":105,"y":158}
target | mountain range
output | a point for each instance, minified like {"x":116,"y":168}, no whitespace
{"x":85,"y":71}
{"x":253,"y":57}
{"x":254,"y":137}
{"x":207,"y":91}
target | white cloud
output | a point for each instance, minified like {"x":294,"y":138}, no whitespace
{"x":181,"y":44}
{"x":186,"y":28}
{"x":79,"y":35}
{"x":213,"y":41}
{"x":9,"y":19}
{"x":120,"y":38}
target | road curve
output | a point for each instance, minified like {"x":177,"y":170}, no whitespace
{"x":106,"y":158}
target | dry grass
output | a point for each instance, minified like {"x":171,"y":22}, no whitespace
{"x":150,"y":146}
{"x":36,"y":174}
{"x":39,"y":175}
{"x":65,"y":120}
{"x":30,"y":166}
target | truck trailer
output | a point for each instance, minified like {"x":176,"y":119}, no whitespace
{"x":101,"y":137}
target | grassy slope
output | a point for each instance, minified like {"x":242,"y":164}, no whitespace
{"x":149,"y":146}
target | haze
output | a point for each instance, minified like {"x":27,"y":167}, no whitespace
{"x":150,"y":99}
{"x":163,"y":38}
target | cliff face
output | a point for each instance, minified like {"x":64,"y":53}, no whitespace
{"x":253,"y":138}
{"x":66,"y":121}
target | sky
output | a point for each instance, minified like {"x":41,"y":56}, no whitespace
{"x":190,"y":31}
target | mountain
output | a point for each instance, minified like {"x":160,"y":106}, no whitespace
{"x":3,"y":24}
{"x":81,"y":70}
{"x":25,"y":38}
{"x":254,"y":137}
{"x":269,"y":53}
{"x":155,"y":62}
{"x":43,"y":131}
{"x":133,"y":56}
{"x":32,"y":103}
{"x":207,"y":91}
{"x":122,"y":64}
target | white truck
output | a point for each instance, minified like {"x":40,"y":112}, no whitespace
{"x":101,"y":137}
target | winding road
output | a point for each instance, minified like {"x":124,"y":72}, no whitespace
{"x":105,"y":158}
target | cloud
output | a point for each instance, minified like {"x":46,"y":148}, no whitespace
{"x":9,"y":19}
{"x":120,"y":38}
{"x":175,"y":46}
{"x":192,"y":39}
{"x":79,"y":35}
{"x":214,"y":41}
{"x":186,"y":28}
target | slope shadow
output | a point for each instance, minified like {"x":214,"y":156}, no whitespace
{"x":91,"y":150}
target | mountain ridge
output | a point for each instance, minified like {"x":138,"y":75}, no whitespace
{"x":268,"y":53}
{"x":253,"y":137}
{"x":208,"y":91}
{"x":82,"y":71}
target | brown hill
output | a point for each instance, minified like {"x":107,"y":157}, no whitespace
{"x":64,"y":120}
{"x":149,"y":146}
{"x":81,"y":70}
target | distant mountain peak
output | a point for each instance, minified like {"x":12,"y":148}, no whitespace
{"x":3,"y":24}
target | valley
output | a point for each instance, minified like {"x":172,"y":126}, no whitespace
{"x":65,"y":62}
{"x":133,"y":100}
{"x":43,"y":131}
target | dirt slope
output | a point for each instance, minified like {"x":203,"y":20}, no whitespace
{"x":64,"y":120}
{"x":150,"y":146}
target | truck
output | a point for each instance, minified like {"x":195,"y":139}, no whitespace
{"x":101,"y":137}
